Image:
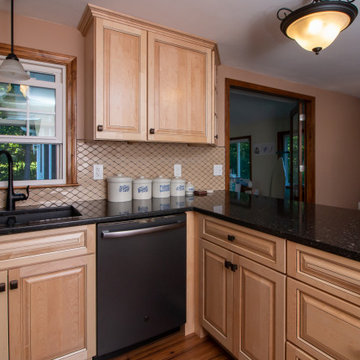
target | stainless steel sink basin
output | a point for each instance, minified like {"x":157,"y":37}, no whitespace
{"x":24,"y":216}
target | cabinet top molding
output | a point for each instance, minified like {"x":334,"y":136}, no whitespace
{"x":93,"y":11}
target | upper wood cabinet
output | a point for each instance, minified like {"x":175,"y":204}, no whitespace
{"x":145,"y":82}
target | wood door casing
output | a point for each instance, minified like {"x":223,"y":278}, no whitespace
{"x":4,"y":317}
{"x":323,"y":325}
{"x":259,"y":311}
{"x":216,"y":293}
{"x":52,"y":312}
{"x":121,"y":81}
{"x":180,"y":90}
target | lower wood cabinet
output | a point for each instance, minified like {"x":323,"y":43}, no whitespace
{"x":47,"y":309}
{"x":293,"y":353}
{"x":242,"y":304}
{"x":323,"y":325}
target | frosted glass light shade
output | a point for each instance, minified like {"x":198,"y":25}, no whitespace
{"x":13,"y":70}
{"x":318,"y":30}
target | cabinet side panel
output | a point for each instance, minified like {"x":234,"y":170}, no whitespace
{"x":4,"y":317}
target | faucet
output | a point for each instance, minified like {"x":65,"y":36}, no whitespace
{"x":11,"y":195}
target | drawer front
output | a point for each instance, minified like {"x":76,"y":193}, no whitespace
{"x":266,"y":249}
{"x":37,"y":246}
{"x":294,"y":353}
{"x":321,"y":324}
{"x":332,"y":273}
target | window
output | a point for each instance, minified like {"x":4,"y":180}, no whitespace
{"x":37,"y":120}
{"x":240,"y":157}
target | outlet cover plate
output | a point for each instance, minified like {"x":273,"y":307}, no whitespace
{"x":98,"y":172}
{"x":218,"y":170}
{"x":177,"y":170}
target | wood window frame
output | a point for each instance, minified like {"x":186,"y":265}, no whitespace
{"x":70,"y":63}
{"x":248,"y":137}
{"x":309,"y":129}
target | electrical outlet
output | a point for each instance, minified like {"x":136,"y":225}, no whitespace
{"x":177,"y":170}
{"x":98,"y":172}
{"x":218,"y":170}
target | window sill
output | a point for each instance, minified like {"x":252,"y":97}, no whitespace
{"x":42,"y":186}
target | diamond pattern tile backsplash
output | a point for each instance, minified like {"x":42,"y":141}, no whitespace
{"x":133,"y":160}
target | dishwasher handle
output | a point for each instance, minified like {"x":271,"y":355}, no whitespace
{"x":148,"y":230}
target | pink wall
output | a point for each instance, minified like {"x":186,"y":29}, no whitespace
{"x":337,"y":135}
{"x":44,"y":35}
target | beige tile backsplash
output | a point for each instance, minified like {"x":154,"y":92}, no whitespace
{"x":134,"y":160}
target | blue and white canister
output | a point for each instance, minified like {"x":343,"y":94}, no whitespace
{"x":119,"y":188}
{"x":142,"y":189}
{"x":177,"y":187}
{"x":161,"y":187}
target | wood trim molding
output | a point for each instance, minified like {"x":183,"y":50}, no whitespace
{"x":100,"y":12}
{"x":70,"y":62}
{"x":309,"y":131}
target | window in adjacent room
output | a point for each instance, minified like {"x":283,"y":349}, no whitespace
{"x":240,"y":157}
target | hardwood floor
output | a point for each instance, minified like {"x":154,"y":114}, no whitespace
{"x":178,"y":347}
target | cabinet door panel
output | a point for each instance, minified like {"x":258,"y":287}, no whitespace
{"x":4,"y":317}
{"x":260,"y":311}
{"x":48,"y":312}
{"x":120,"y":81}
{"x":180,"y":80}
{"x":216,"y":283}
{"x":293,"y":353}
{"x":321,"y":324}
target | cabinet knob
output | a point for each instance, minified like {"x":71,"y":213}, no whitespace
{"x":13,"y":284}
{"x":216,"y":137}
{"x":100,"y":128}
{"x":2,"y":287}
{"x":227,"y":264}
{"x":233,"y":267}
{"x":231,"y":237}
{"x":152,"y":131}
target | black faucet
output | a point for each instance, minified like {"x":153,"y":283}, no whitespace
{"x":11,"y":195}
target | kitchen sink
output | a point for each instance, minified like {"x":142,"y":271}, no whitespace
{"x":24,"y":216}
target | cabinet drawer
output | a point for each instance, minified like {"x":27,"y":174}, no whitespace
{"x":37,"y":246}
{"x":293,"y":353}
{"x":332,"y":273}
{"x":266,"y":249}
{"x":323,"y":325}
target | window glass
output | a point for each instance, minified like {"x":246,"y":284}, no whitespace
{"x":42,"y":76}
{"x":13,"y":96}
{"x":42,"y":99}
{"x":13,"y":123}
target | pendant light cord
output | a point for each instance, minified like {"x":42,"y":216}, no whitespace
{"x":12,"y":26}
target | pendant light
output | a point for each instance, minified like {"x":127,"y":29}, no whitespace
{"x":11,"y":67}
{"x":315,"y":26}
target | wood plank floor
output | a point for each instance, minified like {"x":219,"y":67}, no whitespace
{"x":178,"y":347}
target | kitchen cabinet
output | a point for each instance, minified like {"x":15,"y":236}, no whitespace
{"x":145,"y":82}
{"x":49,"y":297}
{"x":294,"y":353}
{"x":242,"y":303}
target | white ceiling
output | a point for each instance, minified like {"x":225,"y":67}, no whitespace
{"x":247,"y":33}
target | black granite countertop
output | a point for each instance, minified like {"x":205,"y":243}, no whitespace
{"x":331,"y":229}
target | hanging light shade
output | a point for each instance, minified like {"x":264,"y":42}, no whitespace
{"x":11,"y":67}
{"x":314,"y":27}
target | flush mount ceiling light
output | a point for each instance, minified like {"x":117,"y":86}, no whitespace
{"x":11,"y":67}
{"x":315,"y":26}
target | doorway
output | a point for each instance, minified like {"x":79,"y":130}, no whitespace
{"x":269,"y":141}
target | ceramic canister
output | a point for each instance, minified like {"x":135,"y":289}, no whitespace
{"x":142,"y":189}
{"x":161,"y":187}
{"x":189,"y":189}
{"x":177,"y":187}
{"x":119,"y":188}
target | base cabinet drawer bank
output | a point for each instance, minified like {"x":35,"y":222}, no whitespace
{"x":47,"y":294}
{"x":146,"y":82}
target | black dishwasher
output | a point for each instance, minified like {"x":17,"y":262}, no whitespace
{"x":141,"y":280}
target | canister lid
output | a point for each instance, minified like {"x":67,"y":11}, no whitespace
{"x":142,"y":180}
{"x":160,"y":179}
{"x":118,"y":178}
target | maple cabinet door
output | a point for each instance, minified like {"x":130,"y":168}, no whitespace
{"x":3,"y":315}
{"x":216,"y":294}
{"x":52,"y":310}
{"x":120,"y":81}
{"x":180,"y":106}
